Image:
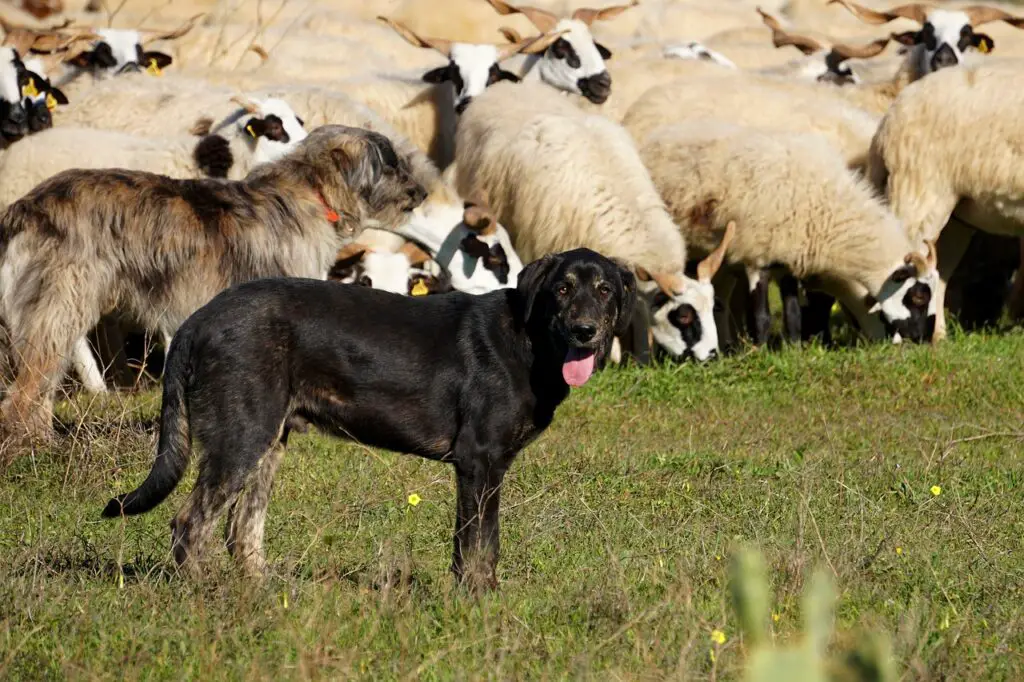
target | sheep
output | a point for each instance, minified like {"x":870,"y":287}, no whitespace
{"x":945,"y":36}
{"x":464,"y":238}
{"x":558,"y":178}
{"x":950,"y":145}
{"x":257,"y":132}
{"x":796,"y":206}
{"x":758,"y":102}
{"x":407,"y":270}
{"x":695,"y":50}
{"x":575,"y":62}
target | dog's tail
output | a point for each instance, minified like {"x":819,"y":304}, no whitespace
{"x":175,"y":447}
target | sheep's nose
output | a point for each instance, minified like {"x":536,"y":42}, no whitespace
{"x":130,"y":67}
{"x":584,"y":331}
{"x":596,"y":88}
{"x":944,"y":57}
{"x":17,"y":114}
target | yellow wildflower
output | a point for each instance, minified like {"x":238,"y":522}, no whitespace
{"x":899,"y":551}
{"x":414,"y":499}
{"x":718,"y":637}
{"x":776,"y":617}
{"x":936,"y":490}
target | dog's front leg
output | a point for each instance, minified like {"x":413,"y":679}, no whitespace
{"x":478,"y":493}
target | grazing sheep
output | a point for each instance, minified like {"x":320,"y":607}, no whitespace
{"x":558,"y":178}
{"x":796,"y":207}
{"x":407,"y":270}
{"x":951,"y":146}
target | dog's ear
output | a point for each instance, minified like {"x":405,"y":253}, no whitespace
{"x":532,"y":279}
{"x":627,"y":298}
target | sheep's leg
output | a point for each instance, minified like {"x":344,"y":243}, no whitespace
{"x":816,"y":316}
{"x":951,"y":247}
{"x":759,"y":318}
{"x":86,"y":368}
{"x":725,"y":288}
{"x":1015,"y":301}
{"x":791,"y":313}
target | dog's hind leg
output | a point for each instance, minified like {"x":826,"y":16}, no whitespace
{"x":248,"y":515}
{"x":478,"y":494}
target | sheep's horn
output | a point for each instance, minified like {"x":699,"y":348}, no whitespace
{"x":707,"y":268}
{"x":782,"y":38}
{"x":187,"y":26}
{"x":535,"y":45}
{"x":543,"y":20}
{"x":932,"y":259}
{"x":414,"y":253}
{"x":247,"y":104}
{"x":478,"y":216}
{"x":441,"y":45}
{"x":351,"y":250}
{"x":872,"y":49}
{"x":260,"y":51}
{"x":980,"y":14}
{"x":589,"y":16}
{"x":915,"y":12}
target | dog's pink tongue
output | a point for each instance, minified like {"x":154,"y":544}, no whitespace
{"x":579,"y":365}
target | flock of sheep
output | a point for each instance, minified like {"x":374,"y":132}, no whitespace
{"x":849,"y":152}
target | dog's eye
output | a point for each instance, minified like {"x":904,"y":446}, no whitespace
{"x":604,"y":289}
{"x":563,"y":290}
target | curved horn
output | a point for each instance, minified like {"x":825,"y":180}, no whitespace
{"x":980,"y":14}
{"x":782,"y":38}
{"x":672,"y":285}
{"x":247,"y":104}
{"x":915,"y":12}
{"x":535,"y":45}
{"x":172,"y":35}
{"x":589,"y":16}
{"x":707,"y":268}
{"x":439,"y":44}
{"x":414,"y":253}
{"x":543,"y":20}
{"x":351,"y":249}
{"x":872,"y":49}
{"x":932,"y":257}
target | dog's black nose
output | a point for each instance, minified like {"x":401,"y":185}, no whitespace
{"x":417,"y":194}
{"x":583,"y":332}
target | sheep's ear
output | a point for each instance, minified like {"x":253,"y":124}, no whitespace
{"x":605,"y":53}
{"x":58,"y":95}
{"x":438,"y":75}
{"x":983,"y":42}
{"x":472,"y":245}
{"x":908,"y":38}
{"x":161,"y":60}
{"x":504,"y":75}
{"x":256,"y":127}
{"x":82,"y":60}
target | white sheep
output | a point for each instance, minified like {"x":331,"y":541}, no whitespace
{"x":758,"y":102}
{"x":798,"y":207}
{"x":951,"y":145}
{"x":558,"y":178}
{"x":256,"y":132}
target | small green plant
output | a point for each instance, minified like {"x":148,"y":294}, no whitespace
{"x":867,"y":659}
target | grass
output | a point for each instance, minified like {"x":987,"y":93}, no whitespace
{"x":617,"y":527}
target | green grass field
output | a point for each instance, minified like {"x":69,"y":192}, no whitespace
{"x":617,"y":529}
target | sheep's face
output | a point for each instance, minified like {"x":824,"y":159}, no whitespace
{"x":13,"y":113}
{"x":908,"y":303}
{"x":944,"y":39}
{"x":389,"y":272}
{"x":470,"y":70}
{"x":120,"y":51}
{"x":575,"y":62}
{"x":684,"y":324}
{"x":274,"y":130}
{"x":40,"y":96}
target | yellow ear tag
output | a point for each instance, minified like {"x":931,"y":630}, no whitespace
{"x":153,"y":69}
{"x":420,"y":289}
{"x":30,"y":89}
{"x":983,"y":47}
{"x":51,"y":102}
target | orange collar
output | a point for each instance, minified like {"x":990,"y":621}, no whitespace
{"x":329,"y":213}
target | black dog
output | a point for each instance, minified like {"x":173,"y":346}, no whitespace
{"x":457,"y":378}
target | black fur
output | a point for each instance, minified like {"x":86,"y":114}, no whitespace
{"x":457,"y":378}
{"x":213,"y":156}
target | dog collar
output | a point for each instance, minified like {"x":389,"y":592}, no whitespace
{"x":329,"y":213}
